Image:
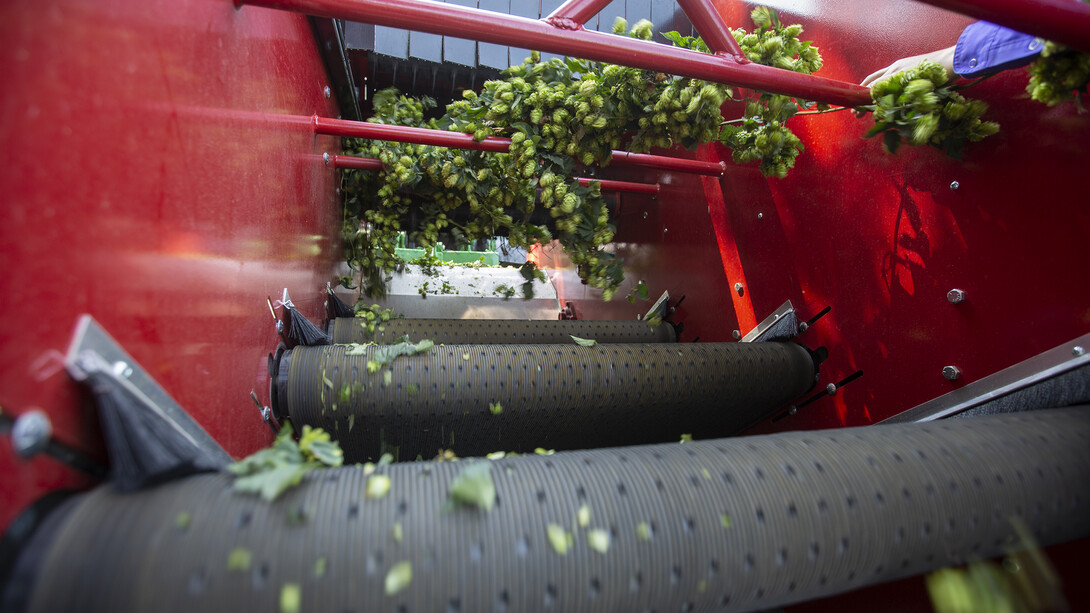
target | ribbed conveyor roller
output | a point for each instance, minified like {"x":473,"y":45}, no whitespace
{"x":550,"y":396}
{"x":485,"y":331}
{"x":723,"y":525}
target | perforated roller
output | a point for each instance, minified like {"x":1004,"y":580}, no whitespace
{"x":740,"y":524}
{"x":485,"y":331}
{"x":476,"y":399}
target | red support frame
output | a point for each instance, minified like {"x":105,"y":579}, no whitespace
{"x":495,"y":144}
{"x":572,"y":39}
{"x":1062,"y":21}
{"x":711,"y":28}
{"x":576,"y":12}
{"x":361,"y":163}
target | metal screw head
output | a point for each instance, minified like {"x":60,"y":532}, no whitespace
{"x":831,"y":388}
{"x":803,"y":327}
{"x":645,"y":214}
{"x":30,"y":433}
{"x":794,"y":409}
{"x":325,"y":158}
{"x":954,"y":185}
{"x":665,"y":230}
{"x":952,"y":373}
{"x":1077,"y":351}
{"x":760,"y":215}
{"x":738,"y":287}
{"x":955,"y":296}
{"x":122,"y":369}
{"x":327,"y":92}
{"x":737,"y":334}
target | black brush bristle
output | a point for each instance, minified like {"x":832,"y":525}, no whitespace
{"x":302,"y":332}
{"x":144,"y":448}
{"x":337,"y":308}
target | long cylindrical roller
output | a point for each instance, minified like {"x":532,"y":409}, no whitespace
{"x":723,"y":525}
{"x":476,"y":399}
{"x":489,"y":331}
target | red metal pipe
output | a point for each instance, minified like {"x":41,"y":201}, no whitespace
{"x":711,"y":28}
{"x":492,"y":27}
{"x":458,"y":140}
{"x":622,"y":186}
{"x":1062,"y":21}
{"x":360,"y":163}
{"x":357,"y":163}
{"x":576,"y":11}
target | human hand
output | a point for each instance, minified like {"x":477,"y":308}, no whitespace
{"x":944,"y":57}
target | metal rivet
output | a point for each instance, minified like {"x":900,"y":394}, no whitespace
{"x":831,"y":388}
{"x":1077,"y":351}
{"x":955,"y":296}
{"x":952,"y":373}
{"x":954,"y":185}
{"x":645,"y":214}
{"x":794,"y":409}
{"x":972,"y":62}
{"x":738,"y":287}
{"x":803,"y":327}
{"x":665,"y":230}
{"x":760,"y":215}
{"x":325,"y":158}
{"x":737,"y":334}
{"x":31,"y":432}
{"x":122,"y":369}
{"x":327,"y":92}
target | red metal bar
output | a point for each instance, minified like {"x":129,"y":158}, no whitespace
{"x":458,"y":140}
{"x":622,"y":186}
{"x":357,"y":163}
{"x":711,"y":28}
{"x":360,"y":163}
{"x":492,"y":27}
{"x":576,"y":11}
{"x":1062,"y":21}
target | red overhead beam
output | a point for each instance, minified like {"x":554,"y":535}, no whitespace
{"x":1062,"y":21}
{"x":711,"y":28}
{"x":361,"y":163}
{"x":576,"y":12}
{"x":498,"y":28}
{"x":459,"y":140}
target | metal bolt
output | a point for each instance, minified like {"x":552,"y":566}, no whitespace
{"x":794,"y":409}
{"x":952,"y":373}
{"x":831,"y":388}
{"x":645,"y":214}
{"x":955,"y":296}
{"x":31,"y":432}
{"x":1077,"y":351}
{"x":665,"y":230}
{"x":954,"y":185}
{"x":803,"y":327}
{"x":122,"y":369}
{"x":760,"y":215}
{"x":326,"y":91}
{"x":325,"y":158}
{"x":738,"y":287}
{"x":737,"y":334}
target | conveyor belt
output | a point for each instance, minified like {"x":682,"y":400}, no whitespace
{"x":551,"y":396}
{"x":740,"y":524}
{"x":487,"y":331}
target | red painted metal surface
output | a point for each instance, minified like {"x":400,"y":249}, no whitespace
{"x":193,"y":198}
{"x":1063,"y":21}
{"x":577,"y":11}
{"x":487,"y":26}
{"x":711,"y":28}
{"x":495,"y":144}
{"x":361,"y":163}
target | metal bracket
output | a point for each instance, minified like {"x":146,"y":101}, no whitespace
{"x":782,"y":324}
{"x":94,"y":350}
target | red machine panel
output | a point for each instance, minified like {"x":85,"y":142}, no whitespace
{"x":152,"y":178}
